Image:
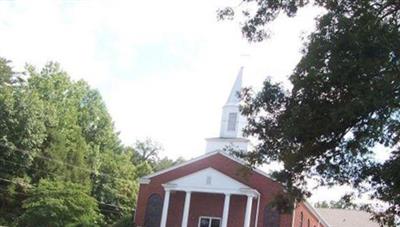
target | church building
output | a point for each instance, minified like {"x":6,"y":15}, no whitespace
{"x":217,"y":189}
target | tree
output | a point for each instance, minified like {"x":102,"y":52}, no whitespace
{"x":22,"y":127}
{"x":340,"y":204}
{"x":256,"y":19}
{"x":57,"y":143}
{"x":165,"y":163}
{"x":126,"y":221}
{"x":58,"y":129}
{"x":146,"y":151}
{"x":115,"y":186}
{"x":146,"y":154}
{"x":56,"y":203}
{"x":345,"y":100}
{"x":78,"y":125}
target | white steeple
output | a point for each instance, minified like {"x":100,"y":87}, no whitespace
{"x":232,"y":122}
{"x":237,"y":86}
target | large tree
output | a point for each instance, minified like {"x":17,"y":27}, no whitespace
{"x":345,"y":100}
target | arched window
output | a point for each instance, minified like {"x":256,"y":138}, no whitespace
{"x":308,"y":222}
{"x":271,"y":217}
{"x":153,"y":211}
{"x":301,"y":219}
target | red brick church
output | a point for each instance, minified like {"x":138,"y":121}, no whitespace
{"x":216,"y":189}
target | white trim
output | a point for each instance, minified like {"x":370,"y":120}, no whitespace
{"x":144,"y":181}
{"x":208,"y":217}
{"x":232,"y":186}
{"x":252,"y":193}
{"x":228,"y":139}
{"x":257,"y":212}
{"x":209,"y":169}
{"x":316,"y":213}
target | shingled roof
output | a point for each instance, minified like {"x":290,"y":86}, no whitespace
{"x":346,"y":218}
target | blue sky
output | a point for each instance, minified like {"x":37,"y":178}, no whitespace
{"x":164,"y":68}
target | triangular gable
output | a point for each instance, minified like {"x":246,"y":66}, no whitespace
{"x":146,"y":179}
{"x":210,"y":180}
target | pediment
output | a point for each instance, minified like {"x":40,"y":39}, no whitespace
{"x":209,"y":180}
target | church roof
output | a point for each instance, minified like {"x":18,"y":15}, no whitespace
{"x":238,"y":160}
{"x":346,"y":218}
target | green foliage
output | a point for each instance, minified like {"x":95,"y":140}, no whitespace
{"x":115,"y":186}
{"x":6,"y":73}
{"x":61,"y":161}
{"x":344,"y":101}
{"x":343,"y":203}
{"x":126,"y":221}
{"x":78,"y":125}
{"x":258,"y":14}
{"x":11,"y":199}
{"x":165,"y":163}
{"x":57,"y":129}
{"x":146,"y":157}
{"x":56,"y":203}
{"x":21,"y":124}
{"x":146,"y":151}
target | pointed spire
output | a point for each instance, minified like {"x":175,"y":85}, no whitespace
{"x":232,"y":122}
{"x":237,"y":86}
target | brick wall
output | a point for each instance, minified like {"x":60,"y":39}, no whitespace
{"x":307,"y":216}
{"x":208,"y":204}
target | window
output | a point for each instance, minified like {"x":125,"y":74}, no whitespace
{"x":232,"y":121}
{"x":308,"y":222}
{"x":271,"y":217}
{"x":209,"y":222}
{"x":153,"y":211}
{"x":301,"y":219}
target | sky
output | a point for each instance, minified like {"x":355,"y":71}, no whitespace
{"x":164,"y":68}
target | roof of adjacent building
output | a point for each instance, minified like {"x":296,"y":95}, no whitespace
{"x":346,"y":218}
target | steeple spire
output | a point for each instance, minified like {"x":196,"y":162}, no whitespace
{"x":232,"y":122}
{"x":237,"y":86}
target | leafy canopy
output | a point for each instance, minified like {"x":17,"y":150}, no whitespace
{"x":57,"y":134}
{"x":56,"y":203}
{"x":344,"y":102}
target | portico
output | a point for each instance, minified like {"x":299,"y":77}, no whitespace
{"x":209,"y":181}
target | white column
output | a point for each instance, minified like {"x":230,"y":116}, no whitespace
{"x":225,"y":213}
{"x":247,"y":215}
{"x":165,"y":209}
{"x":185,"y":216}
